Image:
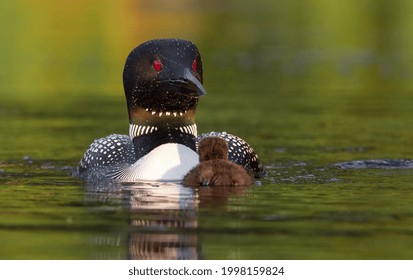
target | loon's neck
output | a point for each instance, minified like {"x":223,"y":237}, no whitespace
{"x":149,"y":129}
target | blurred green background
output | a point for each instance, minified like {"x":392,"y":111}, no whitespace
{"x":65,"y":46}
{"x":307,"y":83}
{"x":267,"y":63}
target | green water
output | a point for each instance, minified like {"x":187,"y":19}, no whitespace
{"x":308,"y":85}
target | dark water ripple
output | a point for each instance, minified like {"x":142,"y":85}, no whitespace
{"x":376,"y":163}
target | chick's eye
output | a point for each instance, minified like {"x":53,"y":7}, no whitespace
{"x":157,"y":65}
{"x":194,"y":65}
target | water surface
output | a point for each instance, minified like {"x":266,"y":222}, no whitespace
{"x":323,"y":97}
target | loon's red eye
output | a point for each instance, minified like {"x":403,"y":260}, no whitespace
{"x":157,"y":65}
{"x":194,"y":64}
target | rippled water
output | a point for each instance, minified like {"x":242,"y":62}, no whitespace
{"x":326,"y":104}
{"x":297,"y":212}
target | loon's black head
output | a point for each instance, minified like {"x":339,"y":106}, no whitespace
{"x":163,"y":82}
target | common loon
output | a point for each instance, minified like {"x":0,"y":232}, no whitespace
{"x":214,"y":168}
{"x":162,"y":81}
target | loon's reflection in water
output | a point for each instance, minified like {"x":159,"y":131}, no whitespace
{"x":162,"y":218}
{"x":166,"y":216}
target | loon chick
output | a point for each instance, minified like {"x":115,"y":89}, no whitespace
{"x":162,"y":81}
{"x":214,"y":168}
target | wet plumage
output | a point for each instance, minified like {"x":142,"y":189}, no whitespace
{"x":215,"y":169}
{"x":163,"y":83}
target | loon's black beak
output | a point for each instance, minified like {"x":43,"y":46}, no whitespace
{"x":188,"y":85}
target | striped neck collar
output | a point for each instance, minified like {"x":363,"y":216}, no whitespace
{"x":136,"y":130}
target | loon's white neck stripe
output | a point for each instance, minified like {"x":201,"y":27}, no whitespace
{"x":190,"y":129}
{"x":138,"y":130}
{"x":167,"y":113}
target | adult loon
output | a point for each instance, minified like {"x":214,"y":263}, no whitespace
{"x":214,"y":168}
{"x":162,"y":81}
